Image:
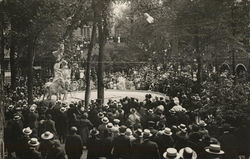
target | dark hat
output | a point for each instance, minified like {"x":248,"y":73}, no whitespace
{"x":122,"y":129}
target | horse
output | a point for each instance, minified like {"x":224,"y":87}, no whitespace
{"x":57,"y":87}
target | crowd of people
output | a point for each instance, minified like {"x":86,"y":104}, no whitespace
{"x":155,"y":128}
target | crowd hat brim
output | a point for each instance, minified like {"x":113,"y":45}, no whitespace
{"x":214,"y":149}
{"x":171,"y":155}
{"x":17,"y":117}
{"x":182,"y":127}
{"x":47,"y":135}
{"x":194,"y":154}
{"x":105,"y":120}
{"x":33,"y":142}
{"x":27,"y":131}
{"x":167,"y":132}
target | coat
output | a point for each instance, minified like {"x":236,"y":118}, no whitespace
{"x":121,"y":147}
{"x":164,"y":142}
{"x":56,"y":153}
{"x":32,"y":154}
{"x":93,"y":148}
{"x":73,"y":145}
{"x":149,"y":150}
{"x":84,"y":125}
{"x":228,"y":145}
{"x":49,"y":125}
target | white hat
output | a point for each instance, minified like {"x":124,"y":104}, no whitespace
{"x":33,"y":142}
{"x":105,"y":120}
{"x":187,"y":153}
{"x":182,"y":127}
{"x":63,"y":109}
{"x":47,"y":135}
{"x":147,"y":133}
{"x":214,"y":149}
{"x":171,"y":153}
{"x":167,"y":131}
{"x":27,"y":131}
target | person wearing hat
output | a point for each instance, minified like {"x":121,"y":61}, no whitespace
{"x":181,"y":137}
{"x":165,"y":140}
{"x":214,"y":151}
{"x":103,"y":126}
{"x":171,"y":153}
{"x":84,"y":125}
{"x":49,"y":124}
{"x":136,"y":144}
{"x":31,"y":152}
{"x":73,"y":144}
{"x":187,"y":153}
{"x":149,"y":148}
{"x":93,"y":144}
{"x":23,"y":145}
{"x":57,"y":151}
{"x":133,"y":117}
{"x":15,"y":132}
{"x":62,"y":124}
{"x":46,"y":143}
{"x":121,"y":145}
{"x":228,"y":143}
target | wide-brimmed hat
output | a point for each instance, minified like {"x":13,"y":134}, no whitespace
{"x":122,"y":129}
{"x":138,"y":133}
{"x":17,"y":117}
{"x":63,"y":109}
{"x":94,"y":132}
{"x":150,"y":111}
{"x":27,"y":131}
{"x":187,"y":153}
{"x":100,"y":115}
{"x":171,"y":153}
{"x":147,"y":133}
{"x":32,"y":108}
{"x":105,"y":120}
{"x":11,"y":107}
{"x":109,"y":126}
{"x":214,"y":149}
{"x":132,"y":110}
{"x":116,"y":121}
{"x":182,"y":127}
{"x":33,"y":142}
{"x":202,"y":123}
{"x":47,"y":135}
{"x":167,"y":131}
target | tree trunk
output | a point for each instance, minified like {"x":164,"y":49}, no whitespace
{"x":90,"y":49}
{"x":13,"y":67}
{"x":2,"y":56}
{"x":100,"y":71}
{"x":30,"y":72}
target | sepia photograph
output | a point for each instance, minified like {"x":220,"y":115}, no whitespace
{"x":124,"y":79}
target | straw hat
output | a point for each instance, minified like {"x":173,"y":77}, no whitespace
{"x":63,"y":109}
{"x":116,"y":121}
{"x":94,"y":132}
{"x":182,"y":127}
{"x":167,"y":131}
{"x":27,"y":131}
{"x":147,"y":133}
{"x":100,"y":115}
{"x":171,"y":153}
{"x":105,"y":120}
{"x":47,"y":135}
{"x":16,"y":117}
{"x":109,"y":126}
{"x":187,"y":153}
{"x":33,"y":142}
{"x":214,"y":149}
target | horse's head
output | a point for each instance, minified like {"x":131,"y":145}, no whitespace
{"x":59,"y":82}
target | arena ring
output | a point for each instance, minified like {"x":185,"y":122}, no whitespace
{"x":111,"y":94}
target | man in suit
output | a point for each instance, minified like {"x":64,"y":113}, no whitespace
{"x":49,"y":125}
{"x":149,"y":147}
{"x":31,"y":152}
{"x":73,"y":144}
{"x":165,"y":140}
{"x":121,"y":145}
